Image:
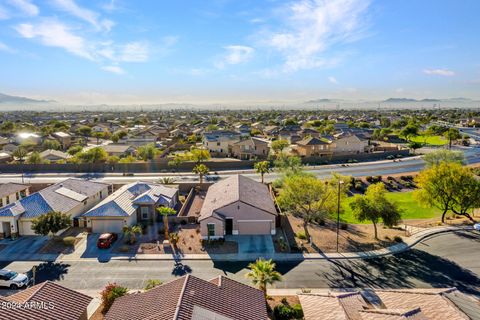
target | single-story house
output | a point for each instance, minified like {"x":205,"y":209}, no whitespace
{"x":237,"y":206}
{"x":119,"y":149}
{"x":47,"y":300}
{"x":391,"y":304}
{"x":11,"y":192}
{"x":190,"y":297}
{"x":129,"y":205}
{"x":71,"y":196}
{"x":54,"y":155}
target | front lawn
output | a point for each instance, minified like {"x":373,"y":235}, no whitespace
{"x":409,"y":206}
{"x":430,"y":140}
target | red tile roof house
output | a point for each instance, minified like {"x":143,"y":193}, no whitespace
{"x":189,"y":297}
{"x":395,"y":304}
{"x":45,"y":301}
{"x":237,"y":206}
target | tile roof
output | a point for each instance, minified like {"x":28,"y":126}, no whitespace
{"x":178,"y":299}
{"x":59,"y":303}
{"x":311,"y":141}
{"x":237,"y":188}
{"x":55,"y":153}
{"x":9,"y":188}
{"x":124,"y":202}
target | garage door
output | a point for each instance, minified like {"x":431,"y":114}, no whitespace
{"x":26,"y":228}
{"x":254,"y":227}
{"x":102,"y":226}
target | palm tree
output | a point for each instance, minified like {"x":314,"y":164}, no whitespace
{"x":262,"y":167}
{"x":165,"y":212}
{"x":201,"y":170}
{"x":131,"y":232}
{"x":262,"y":273}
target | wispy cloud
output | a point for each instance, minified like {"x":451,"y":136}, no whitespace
{"x":439,"y":72}
{"x":235,"y":54}
{"x":5,"y":48}
{"x":55,"y":34}
{"x":4,"y":15}
{"x":113,"y":69}
{"x":134,"y":52}
{"x":311,"y":27}
{"x":25,"y":6}
{"x":84,"y":14}
{"x":332,"y":80}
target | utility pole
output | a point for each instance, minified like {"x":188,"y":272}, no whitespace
{"x":340,"y":182}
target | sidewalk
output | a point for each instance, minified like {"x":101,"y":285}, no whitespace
{"x":397,"y":248}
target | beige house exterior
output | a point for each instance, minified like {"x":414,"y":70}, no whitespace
{"x":250,"y":148}
{"x":313,"y":147}
{"x":349,"y":145}
{"x":237,"y":206}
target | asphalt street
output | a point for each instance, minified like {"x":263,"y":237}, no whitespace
{"x":444,"y":260}
{"x":385,"y":167}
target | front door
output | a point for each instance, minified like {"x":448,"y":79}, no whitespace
{"x":6,"y":229}
{"x":228,"y":226}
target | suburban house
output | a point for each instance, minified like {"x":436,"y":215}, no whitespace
{"x":244,"y":129}
{"x":139,"y":138}
{"x":129,"y":205}
{"x":218,"y":142}
{"x":160,"y":132}
{"x":350,"y":144}
{"x":237,"y":206}
{"x":65,"y":139}
{"x":250,"y":148}
{"x":391,"y":304}
{"x":11,"y":192}
{"x":71,"y":196}
{"x":118,"y":150}
{"x":309,"y":132}
{"x":48,"y":300}
{"x":54,"y":155}
{"x":5,"y":157}
{"x":314,"y":147}
{"x":190,"y":297}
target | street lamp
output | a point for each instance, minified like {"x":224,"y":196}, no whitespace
{"x":340,"y":182}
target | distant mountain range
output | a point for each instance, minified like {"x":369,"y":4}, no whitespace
{"x":403,"y":100}
{"x":7,"y":99}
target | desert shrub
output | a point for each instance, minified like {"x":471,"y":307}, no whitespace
{"x":174,"y":238}
{"x":152,"y":283}
{"x":398,"y":239}
{"x":286,"y":312}
{"x":69,"y":241}
{"x":111,"y":292}
{"x":301,"y":235}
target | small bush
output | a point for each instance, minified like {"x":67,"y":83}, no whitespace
{"x":398,"y":239}
{"x":358,"y":185}
{"x":152,"y":283}
{"x":301,"y":235}
{"x":69,"y":241}
{"x":286,"y":312}
{"x":111,"y":292}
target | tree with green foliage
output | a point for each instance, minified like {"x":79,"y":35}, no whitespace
{"x":262,"y":168}
{"x":165,"y":212}
{"x":448,"y":186}
{"x":375,"y":206}
{"x":94,"y":155}
{"x":308,"y":198}
{"x":51,"y":145}
{"x":414,"y":146}
{"x":279,"y":145}
{"x":409,"y":131}
{"x":51,"y":223}
{"x":98,"y":135}
{"x":85,"y":132}
{"x":452,"y":134}
{"x":198,"y":155}
{"x":152,"y":283}
{"x":34,"y":158}
{"x":73,"y":150}
{"x":20,"y":154}
{"x":262,"y":273}
{"x":176,"y":161}
{"x":7,"y":127}
{"x":201,"y":170}
{"x":442,"y":155}
{"x":130,"y":233}
{"x":108,"y":295}
{"x":147,"y":152}
{"x":289,"y":164}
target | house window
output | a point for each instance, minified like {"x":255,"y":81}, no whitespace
{"x":17,"y":195}
{"x":8,"y":200}
{"x":211,"y":229}
{"x":23,"y":193}
{"x":1,"y":202}
{"x":144,"y":211}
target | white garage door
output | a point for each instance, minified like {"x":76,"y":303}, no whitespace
{"x":103,"y":226}
{"x":254,"y":227}
{"x":26,"y":228}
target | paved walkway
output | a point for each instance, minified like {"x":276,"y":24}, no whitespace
{"x":397,"y":248}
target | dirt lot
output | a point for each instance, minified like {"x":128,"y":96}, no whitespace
{"x":56,"y":245}
{"x":357,"y":237}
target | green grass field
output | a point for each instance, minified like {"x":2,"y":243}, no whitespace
{"x":406,"y":202}
{"x":430,"y":140}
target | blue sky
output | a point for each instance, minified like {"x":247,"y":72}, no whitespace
{"x":125,"y":51}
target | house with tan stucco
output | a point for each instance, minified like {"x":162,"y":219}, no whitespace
{"x":237,"y":206}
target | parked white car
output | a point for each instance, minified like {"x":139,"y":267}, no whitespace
{"x":476,"y":226}
{"x":12,"y":279}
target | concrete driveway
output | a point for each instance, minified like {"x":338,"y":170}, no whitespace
{"x":261,"y":244}
{"x":90,"y":249}
{"x":23,"y":245}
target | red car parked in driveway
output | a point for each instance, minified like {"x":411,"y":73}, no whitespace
{"x":106,"y":240}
